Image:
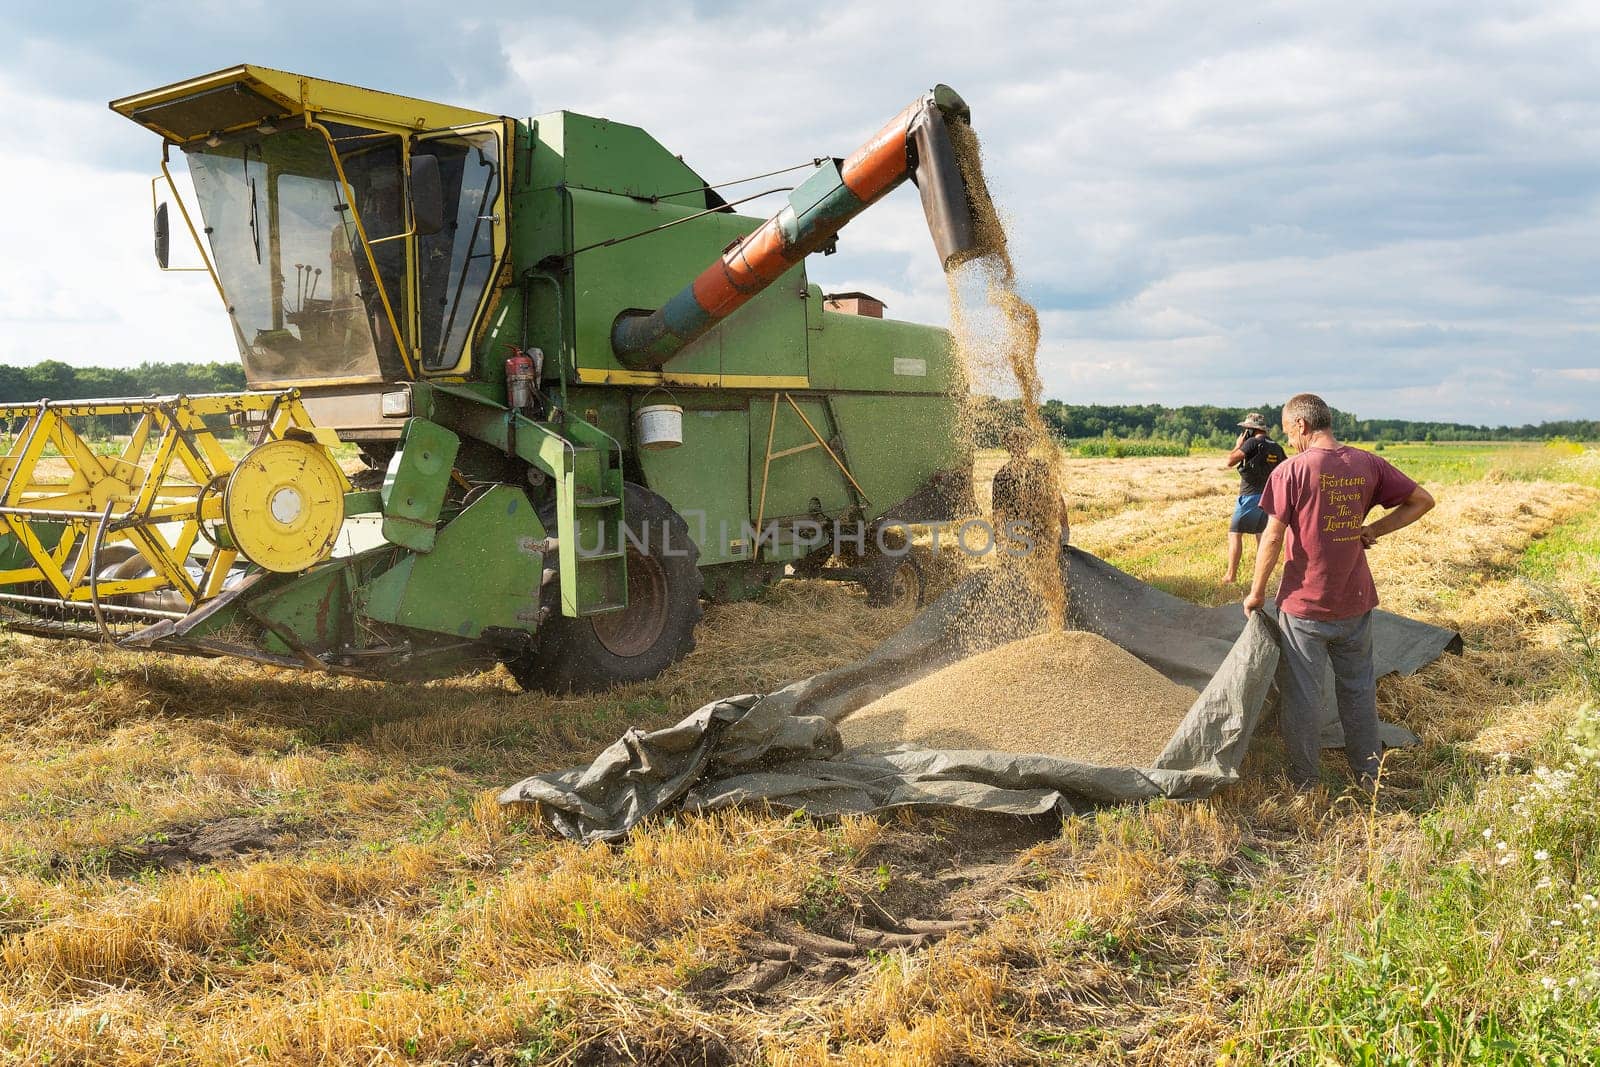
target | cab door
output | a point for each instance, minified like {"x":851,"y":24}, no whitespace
{"x":456,"y":266}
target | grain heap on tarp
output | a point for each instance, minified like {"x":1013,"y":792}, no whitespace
{"x":1070,"y":694}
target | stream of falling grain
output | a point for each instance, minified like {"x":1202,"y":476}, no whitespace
{"x":1002,"y":357}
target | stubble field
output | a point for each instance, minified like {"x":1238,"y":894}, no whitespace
{"x":206,"y":862}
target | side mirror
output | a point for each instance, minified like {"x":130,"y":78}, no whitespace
{"x":163,"y":237}
{"x":427,"y":195}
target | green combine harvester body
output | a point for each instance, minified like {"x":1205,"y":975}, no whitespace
{"x":587,"y":390}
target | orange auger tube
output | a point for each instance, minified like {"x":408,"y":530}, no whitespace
{"x":916,"y":144}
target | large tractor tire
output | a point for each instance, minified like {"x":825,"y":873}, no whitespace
{"x":635,"y":644}
{"x":895,"y":581}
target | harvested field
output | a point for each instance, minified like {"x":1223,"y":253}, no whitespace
{"x":1096,"y":488}
{"x":1179,"y":544}
{"x":1071,"y":694}
{"x":210,"y":862}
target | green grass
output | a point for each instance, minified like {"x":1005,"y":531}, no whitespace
{"x":1115,"y":448}
{"x":1468,"y":461}
{"x":1491,"y":954}
{"x":1576,"y":542}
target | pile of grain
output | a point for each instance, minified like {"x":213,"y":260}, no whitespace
{"x":1069,"y":693}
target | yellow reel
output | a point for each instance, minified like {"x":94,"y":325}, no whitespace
{"x":284,"y":505}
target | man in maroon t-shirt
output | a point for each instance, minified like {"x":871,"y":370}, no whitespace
{"x":1321,"y":498}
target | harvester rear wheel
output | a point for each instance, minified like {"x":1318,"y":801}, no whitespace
{"x":893,"y":581}
{"x":654,"y":631}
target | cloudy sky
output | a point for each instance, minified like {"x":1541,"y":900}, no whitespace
{"x":1396,"y":205}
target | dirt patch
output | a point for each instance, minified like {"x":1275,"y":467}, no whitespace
{"x":931,"y":880}
{"x":1071,"y":694}
{"x":700,"y":1050}
{"x":202,"y":844}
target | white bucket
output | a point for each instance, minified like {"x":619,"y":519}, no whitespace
{"x":658,"y":426}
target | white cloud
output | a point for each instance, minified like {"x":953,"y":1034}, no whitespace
{"x":79,"y":281}
{"x":1394,"y":204}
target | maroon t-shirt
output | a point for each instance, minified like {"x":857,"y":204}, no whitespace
{"x":1323,"y":495}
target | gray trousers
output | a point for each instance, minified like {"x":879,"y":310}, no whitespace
{"x":1309,"y":645}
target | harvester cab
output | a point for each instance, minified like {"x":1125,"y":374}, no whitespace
{"x":352,"y":234}
{"x":586,"y":392}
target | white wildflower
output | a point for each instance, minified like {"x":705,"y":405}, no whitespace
{"x":1541,"y":855}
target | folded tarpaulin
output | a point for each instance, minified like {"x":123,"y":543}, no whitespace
{"x":783,"y":749}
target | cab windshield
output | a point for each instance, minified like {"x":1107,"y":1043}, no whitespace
{"x":299,"y":287}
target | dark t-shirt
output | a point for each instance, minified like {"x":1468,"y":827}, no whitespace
{"x":1323,"y":495}
{"x":1261,"y":456}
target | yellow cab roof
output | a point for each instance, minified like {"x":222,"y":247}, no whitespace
{"x":244,"y":96}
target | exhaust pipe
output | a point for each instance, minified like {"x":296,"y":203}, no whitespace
{"x":915,"y":145}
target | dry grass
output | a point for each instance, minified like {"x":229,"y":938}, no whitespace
{"x":1179,"y":544}
{"x":399,"y":915}
{"x":1096,"y":488}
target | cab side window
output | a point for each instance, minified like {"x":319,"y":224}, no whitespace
{"x":454,"y":265}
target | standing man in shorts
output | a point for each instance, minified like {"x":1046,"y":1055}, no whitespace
{"x":1255,"y":454}
{"x":1319,"y":500}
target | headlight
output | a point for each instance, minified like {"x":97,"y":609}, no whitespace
{"x":397,"y":405}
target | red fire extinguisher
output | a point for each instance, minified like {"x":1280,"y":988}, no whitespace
{"x":522,"y":377}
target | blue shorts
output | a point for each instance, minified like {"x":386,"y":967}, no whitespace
{"x":1248,"y":518}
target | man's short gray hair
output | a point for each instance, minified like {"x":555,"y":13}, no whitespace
{"x":1310,"y":407}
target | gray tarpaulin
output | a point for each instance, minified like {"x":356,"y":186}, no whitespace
{"x":783,"y":748}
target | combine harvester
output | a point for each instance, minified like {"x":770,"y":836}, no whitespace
{"x":567,"y":445}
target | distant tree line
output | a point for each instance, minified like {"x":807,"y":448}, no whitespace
{"x":54,"y":380}
{"x":1209,"y":426}
{"x":61,"y":381}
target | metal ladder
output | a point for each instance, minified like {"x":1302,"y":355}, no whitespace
{"x":594,"y":573}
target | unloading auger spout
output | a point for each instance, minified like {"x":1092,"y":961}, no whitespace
{"x":916,"y":145}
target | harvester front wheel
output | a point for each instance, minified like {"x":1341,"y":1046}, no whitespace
{"x":654,"y":631}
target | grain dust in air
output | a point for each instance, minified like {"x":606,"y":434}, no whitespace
{"x":997,"y":341}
